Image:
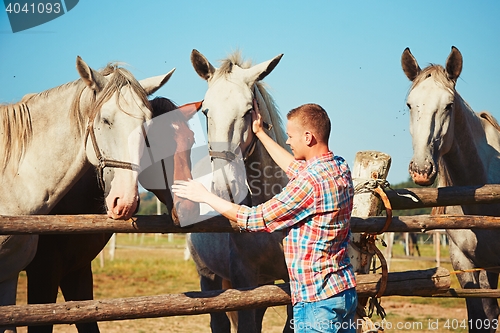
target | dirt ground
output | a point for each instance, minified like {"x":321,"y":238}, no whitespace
{"x":422,"y":315}
{"x":411,"y":316}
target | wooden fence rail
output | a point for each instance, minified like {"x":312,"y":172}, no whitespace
{"x":52,"y":224}
{"x":400,"y":199}
{"x":410,"y":198}
{"x":421,"y":283}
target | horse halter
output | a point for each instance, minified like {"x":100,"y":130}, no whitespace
{"x":104,"y":162}
{"x":231,"y":156}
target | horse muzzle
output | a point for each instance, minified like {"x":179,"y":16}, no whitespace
{"x":423,"y":174}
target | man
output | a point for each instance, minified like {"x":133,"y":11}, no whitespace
{"x":314,"y":210}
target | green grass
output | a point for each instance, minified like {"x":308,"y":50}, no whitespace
{"x":401,"y":263}
{"x":146,"y":265}
{"x":151,"y":240}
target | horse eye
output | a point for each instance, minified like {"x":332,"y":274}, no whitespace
{"x":106,"y":121}
{"x":248,"y":112}
{"x":449,"y":107}
{"x":408,"y":105}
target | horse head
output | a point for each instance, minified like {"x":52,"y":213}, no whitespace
{"x":118,"y":108}
{"x":227,"y":105}
{"x":170,"y":141}
{"x":431,"y":102}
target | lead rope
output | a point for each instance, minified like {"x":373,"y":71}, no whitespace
{"x":368,"y":239}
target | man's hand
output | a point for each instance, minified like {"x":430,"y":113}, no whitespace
{"x":257,"y":122}
{"x":191,"y":190}
{"x":195,"y":191}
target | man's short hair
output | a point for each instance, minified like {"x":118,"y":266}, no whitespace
{"x":313,"y":118}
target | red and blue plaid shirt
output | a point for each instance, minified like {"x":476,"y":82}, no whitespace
{"x":314,"y":209}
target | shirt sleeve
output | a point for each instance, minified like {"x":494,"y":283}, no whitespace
{"x":292,"y":205}
{"x":293,"y":169}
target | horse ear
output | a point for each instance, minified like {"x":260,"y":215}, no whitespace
{"x":201,"y":65}
{"x":260,"y":71}
{"x":92,"y":79}
{"x":152,"y":84}
{"x":454,"y":64}
{"x":409,"y":64}
{"x":190,"y":109}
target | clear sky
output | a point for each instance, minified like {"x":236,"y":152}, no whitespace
{"x":343,"y":55}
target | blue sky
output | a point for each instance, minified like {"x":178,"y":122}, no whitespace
{"x":343,"y":55}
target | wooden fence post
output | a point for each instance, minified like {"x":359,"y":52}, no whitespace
{"x":112,"y":247}
{"x":369,"y":166}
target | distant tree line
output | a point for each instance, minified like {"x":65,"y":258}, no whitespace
{"x":408,"y":212}
{"x":148,"y":203}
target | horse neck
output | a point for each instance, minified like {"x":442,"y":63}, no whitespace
{"x":265,"y":178}
{"x":465,"y":164}
{"x":54,"y":158}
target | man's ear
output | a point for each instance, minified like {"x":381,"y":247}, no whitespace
{"x":308,"y":137}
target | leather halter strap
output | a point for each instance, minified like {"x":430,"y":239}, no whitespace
{"x":104,"y":162}
{"x":231,"y":156}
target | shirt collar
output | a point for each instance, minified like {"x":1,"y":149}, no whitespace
{"x":321,"y":158}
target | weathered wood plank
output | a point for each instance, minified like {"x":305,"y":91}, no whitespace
{"x":410,"y":198}
{"x":369,"y":166}
{"x":52,"y":224}
{"x":470,"y":293}
{"x":423,"y":283}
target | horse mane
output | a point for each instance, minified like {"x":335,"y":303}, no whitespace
{"x":16,"y":118}
{"x":121,"y":77}
{"x":162,"y":105}
{"x":235,"y":58}
{"x":438,"y":73}
{"x":16,"y":130}
{"x":270,"y":113}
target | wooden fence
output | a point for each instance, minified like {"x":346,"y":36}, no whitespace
{"x":400,"y":199}
{"x":420,"y":283}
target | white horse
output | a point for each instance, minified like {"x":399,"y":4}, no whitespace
{"x":47,"y":141}
{"x":240,"y":166}
{"x":461,"y":148}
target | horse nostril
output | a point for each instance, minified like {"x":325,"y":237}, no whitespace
{"x":115,"y":202}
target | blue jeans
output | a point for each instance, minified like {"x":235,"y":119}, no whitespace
{"x":332,"y":315}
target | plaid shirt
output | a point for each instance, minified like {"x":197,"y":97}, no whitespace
{"x":314,"y":209}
